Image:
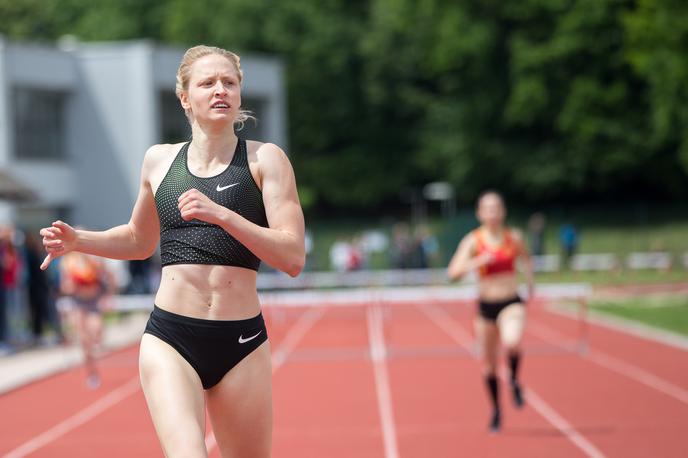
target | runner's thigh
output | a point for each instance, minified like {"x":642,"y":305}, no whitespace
{"x":174,"y":395}
{"x":240,"y":407}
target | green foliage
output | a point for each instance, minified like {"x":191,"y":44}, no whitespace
{"x":547,"y":100}
{"x":657,"y":33}
{"x":87,"y":19}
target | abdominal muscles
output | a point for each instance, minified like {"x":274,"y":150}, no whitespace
{"x":208,"y":291}
{"x":497,"y":287}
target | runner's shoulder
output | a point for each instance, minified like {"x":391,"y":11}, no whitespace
{"x":160,"y":153}
{"x":468,"y":241}
{"x":264,"y":151}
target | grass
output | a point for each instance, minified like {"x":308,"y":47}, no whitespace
{"x":666,"y":312}
{"x":624,"y":277}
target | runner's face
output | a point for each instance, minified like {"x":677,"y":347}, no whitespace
{"x":214,"y":92}
{"x":491,"y":211}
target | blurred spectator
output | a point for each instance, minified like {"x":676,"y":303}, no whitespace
{"x":346,"y":256}
{"x":536,"y":232}
{"x":4,"y":346}
{"x":374,"y":241}
{"x":155,"y":271}
{"x":119,"y":271}
{"x":42,"y":292}
{"x":426,"y":248}
{"x":401,"y":250}
{"x":568,"y":236}
{"x":139,"y":276}
{"x":339,"y":255}
{"x":308,"y":245}
{"x":356,"y":258}
{"x":11,"y":279}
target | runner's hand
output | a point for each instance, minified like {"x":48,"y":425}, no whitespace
{"x":484,"y":259}
{"x":193,"y":204}
{"x":58,"y":239}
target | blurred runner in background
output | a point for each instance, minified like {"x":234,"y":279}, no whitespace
{"x":86,"y":281}
{"x":492,"y":250}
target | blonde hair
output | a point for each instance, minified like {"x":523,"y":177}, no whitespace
{"x":184,"y":75}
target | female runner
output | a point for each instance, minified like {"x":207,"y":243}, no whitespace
{"x":219,"y":205}
{"x":492,"y":250}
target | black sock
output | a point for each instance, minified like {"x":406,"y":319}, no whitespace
{"x":514,"y":360}
{"x":493,"y":389}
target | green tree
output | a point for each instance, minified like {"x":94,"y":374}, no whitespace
{"x":657,"y":35}
{"x":88,"y":20}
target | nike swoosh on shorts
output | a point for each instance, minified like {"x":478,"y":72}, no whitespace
{"x":242,"y":340}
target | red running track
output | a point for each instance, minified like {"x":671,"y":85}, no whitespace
{"x":394,"y":380}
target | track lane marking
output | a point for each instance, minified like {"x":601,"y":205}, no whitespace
{"x":448,"y":324}
{"x":378,"y":355}
{"x":614,"y":364}
{"x":84,"y":415}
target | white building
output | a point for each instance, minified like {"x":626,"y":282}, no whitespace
{"x":76,"y":120}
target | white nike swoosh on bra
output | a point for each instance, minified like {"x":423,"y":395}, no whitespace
{"x":222,"y":188}
{"x":242,"y":340}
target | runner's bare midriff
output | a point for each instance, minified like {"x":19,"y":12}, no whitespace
{"x":208,"y":291}
{"x":498,"y":287}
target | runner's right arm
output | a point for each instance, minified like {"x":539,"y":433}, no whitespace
{"x":463,"y":260}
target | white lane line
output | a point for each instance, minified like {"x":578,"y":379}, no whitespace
{"x":297,"y":331}
{"x":378,"y":355}
{"x":614,"y":364}
{"x":445,"y":322}
{"x":294,"y":336}
{"x":86,"y":414}
{"x":561,"y":424}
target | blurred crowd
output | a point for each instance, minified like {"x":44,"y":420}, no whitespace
{"x":405,"y":249}
{"x":29,"y":312}
{"x":404,"y":246}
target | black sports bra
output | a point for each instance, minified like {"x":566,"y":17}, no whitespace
{"x":198,"y":242}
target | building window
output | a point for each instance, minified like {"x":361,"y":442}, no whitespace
{"x":39,"y":120}
{"x":174,"y":127}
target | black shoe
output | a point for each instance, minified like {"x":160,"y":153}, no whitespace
{"x":517,"y":394}
{"x":496,"y":421}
